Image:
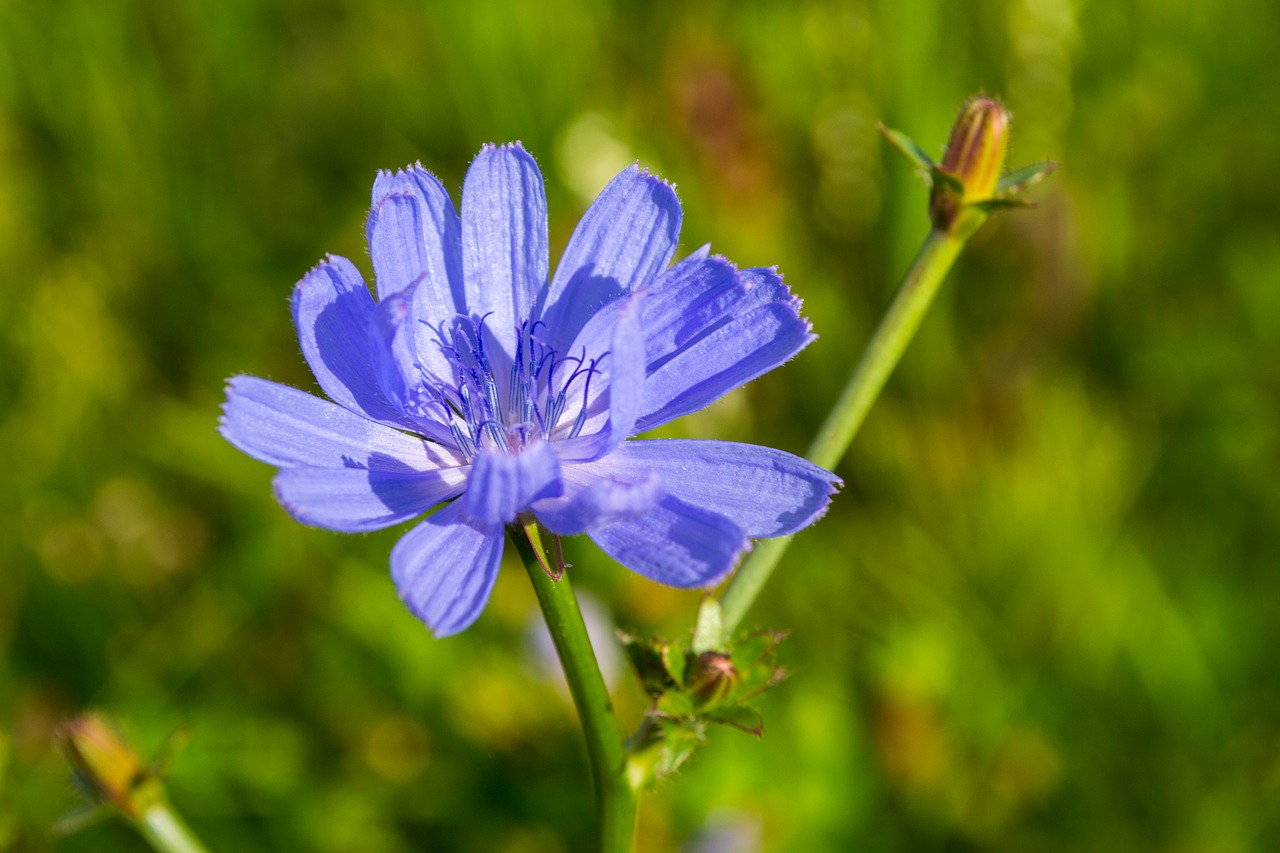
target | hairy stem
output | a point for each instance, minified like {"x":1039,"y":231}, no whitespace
{"x":882,"y":354}
{"x":615,"y":799}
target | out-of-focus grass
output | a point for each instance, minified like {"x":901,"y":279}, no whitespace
{"x":1040,"y":615}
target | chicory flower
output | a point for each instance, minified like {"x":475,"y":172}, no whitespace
{"x":477,"y":379}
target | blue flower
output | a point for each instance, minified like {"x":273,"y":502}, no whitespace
{"x":476,"y":378}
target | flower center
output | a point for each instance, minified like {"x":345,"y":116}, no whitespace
{"x":504,"y":403}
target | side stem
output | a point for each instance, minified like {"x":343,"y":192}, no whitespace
{"x":882,"y":354}
{"x":615,"y":799}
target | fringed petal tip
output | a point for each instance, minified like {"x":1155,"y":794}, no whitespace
{"x":753,"y":277}
{"x":769,"y":278}
{"x":329,"y":272}
{"x":653,"y":178}
{"x":760,"y":284}
{"x":406,"y":181}
{"x":398,"y":174}
{"x":230,"y":387}
{"x":513,"y":145}
{"x":832,"y":488}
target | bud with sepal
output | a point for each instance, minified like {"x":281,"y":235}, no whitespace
{"x":969,"y":184}
{"x":105,"y":766}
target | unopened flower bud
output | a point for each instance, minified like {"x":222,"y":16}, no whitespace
{"x":104,"y":763}
{"x":973,"y":160}
{"x":711,"y":678}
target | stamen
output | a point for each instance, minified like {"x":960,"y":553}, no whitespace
{"x":491,"y":395}
{"x":554,"y":410}
{"x":519,"y":395}
{"x":527,"y":407}
{"x":541,"y":380}
{"x":586,"y":385}
{"x":581,"y":419}
{"x":496,"y":434}
{"x":461,"y":440}
{"x":468,"y":411}
{"x":578,"y":422}
{"x":537,"y":416}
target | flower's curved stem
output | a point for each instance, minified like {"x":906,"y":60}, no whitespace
{"x":899,"y":325}
{"x":615,"y":799}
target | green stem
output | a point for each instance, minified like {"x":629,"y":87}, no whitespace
{"x":166,"y":832}
{"x":887,"y":345}
{"x":615,"y":799}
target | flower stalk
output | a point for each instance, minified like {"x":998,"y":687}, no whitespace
{"x":615,"y":797}
{"x":899,"y":325}
{"x":965,"y":189}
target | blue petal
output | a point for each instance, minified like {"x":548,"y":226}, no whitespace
{"x":415,"y":236}
{"x":694,"y":298}
{"x":710,"y":363}
{"x":331,"y":308}
{"x":504,"y":239}
{"x":354,"y":500}
{"x":504,"y":484}
{"x":290,"y":428}
{"x":765,"y":491}
{"x":675,"y":544}
{"x":625,"y":239}
{"x":445,"y":567}
{"x":618,"y":388}
{"x":591,"y":501}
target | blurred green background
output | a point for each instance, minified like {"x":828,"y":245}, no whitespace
{"x":1041,"y":616}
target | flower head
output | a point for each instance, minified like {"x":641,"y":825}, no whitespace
{"x":478,"y":379}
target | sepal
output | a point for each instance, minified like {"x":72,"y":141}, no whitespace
{"x":1028,"y":176}
{"x":907,"y":147}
